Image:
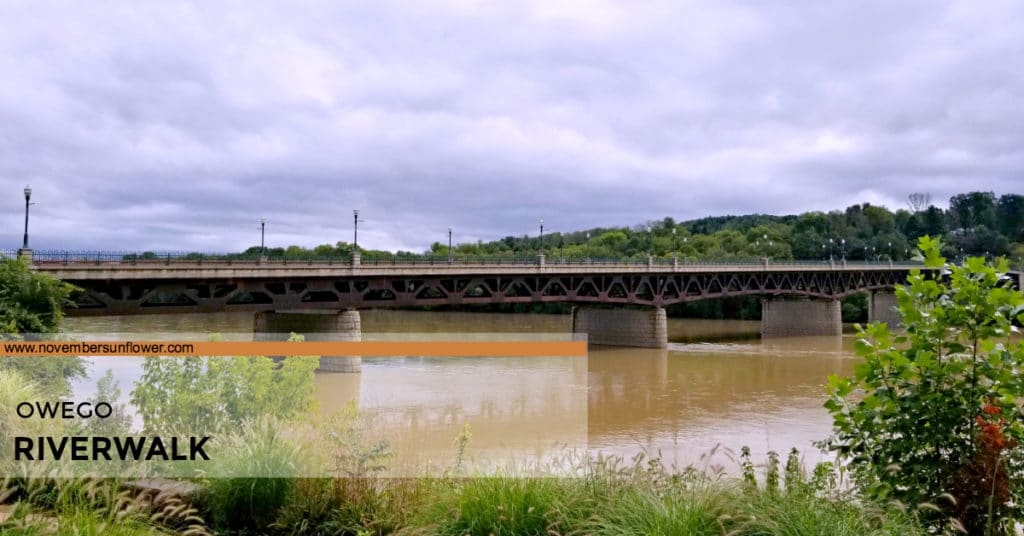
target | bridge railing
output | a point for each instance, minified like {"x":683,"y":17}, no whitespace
{"x":166,"y":258}
{"x":71,"y":257}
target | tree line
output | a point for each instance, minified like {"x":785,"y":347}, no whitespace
{"x":975,"y":224}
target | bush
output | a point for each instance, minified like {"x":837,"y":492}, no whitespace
{"x":193,"y":393}
{"x":932,"y":414}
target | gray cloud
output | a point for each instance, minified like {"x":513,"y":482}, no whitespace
{"x":179,"y":126}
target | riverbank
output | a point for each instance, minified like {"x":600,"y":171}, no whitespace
{"x":639,"y":497}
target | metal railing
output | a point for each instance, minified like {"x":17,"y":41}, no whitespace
{"x":72,"y":257}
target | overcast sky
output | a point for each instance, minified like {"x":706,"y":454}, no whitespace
{"x":179,"y":126}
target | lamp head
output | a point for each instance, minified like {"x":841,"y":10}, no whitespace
{"x":28,"y":192}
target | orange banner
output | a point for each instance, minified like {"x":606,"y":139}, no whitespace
{"x":270,"y":348}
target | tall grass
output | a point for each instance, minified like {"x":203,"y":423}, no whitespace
{"x":95,"y":507}
{"x":255,"y":487}
{"x":253,"y":474}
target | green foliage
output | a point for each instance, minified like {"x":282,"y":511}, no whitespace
{"x":52,"y":374}
{"x":201,"y":392}
{"x":934,"y":410}
{"x":30,"y":302}
{"x":855,"y":307}
{"x":268,"y":462}
{"x":119,"y":422}
{"x":14,"y":389}
{"x":503,"y":506}
{"x":96,"y":507}
{"x":353,"y":452}
{"x":33,"y":303}
{"x":681,"y":510}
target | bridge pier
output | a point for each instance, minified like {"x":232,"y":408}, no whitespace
{"x":882,"y":308}
{"x":340,"y":325}
{"x":645,"y":328}
{"x":800,"y":317}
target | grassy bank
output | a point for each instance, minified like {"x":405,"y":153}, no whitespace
{"x":637,"y":498}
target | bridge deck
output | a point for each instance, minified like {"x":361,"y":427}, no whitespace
{"x":158,"y":270}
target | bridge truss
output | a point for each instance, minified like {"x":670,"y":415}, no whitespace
{"x":132,"y":296}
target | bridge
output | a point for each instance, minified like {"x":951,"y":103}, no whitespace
{"x":306,"y":295}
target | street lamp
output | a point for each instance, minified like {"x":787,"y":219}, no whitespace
{"x":449,"y":244}
{"x":542,"y":236}
{"x":355,"y":230}
{"x":28,"y":196}
{"x":263,"y":229}
{"x":588,"y":246}
{"x":650,"y":241}
{"x":843,"y":248}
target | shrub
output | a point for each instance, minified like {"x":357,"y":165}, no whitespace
{"x":932,"y":413}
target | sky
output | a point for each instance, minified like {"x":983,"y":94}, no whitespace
{"x":178,"y":125}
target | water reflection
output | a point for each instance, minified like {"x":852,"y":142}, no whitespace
{"x":681,"y":401}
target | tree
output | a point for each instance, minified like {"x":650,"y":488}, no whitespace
{"x":933,"y":410}
{"x":119,"y":422}
{"x":30,"y":302}
{"x":919,"y":201}
{"x":1010,"y":214}
{"x":200,"y":392}
{"x":33,"y":303}
{"x":972,"y":209}
{"x":933,"y":223}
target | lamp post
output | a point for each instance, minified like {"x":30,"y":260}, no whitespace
{"x":842,"y":243}
{"x":831,"y":249}
{"x":28,"y":197}
{"x":355,"y":230}
{"x":542,"y":236}
{"x":588,"y":246}
{"x":650,"y":241}
{"x":263,"y":229}
{"x":449,"y":244}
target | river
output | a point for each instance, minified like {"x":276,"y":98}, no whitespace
{"x":717,"y":386}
